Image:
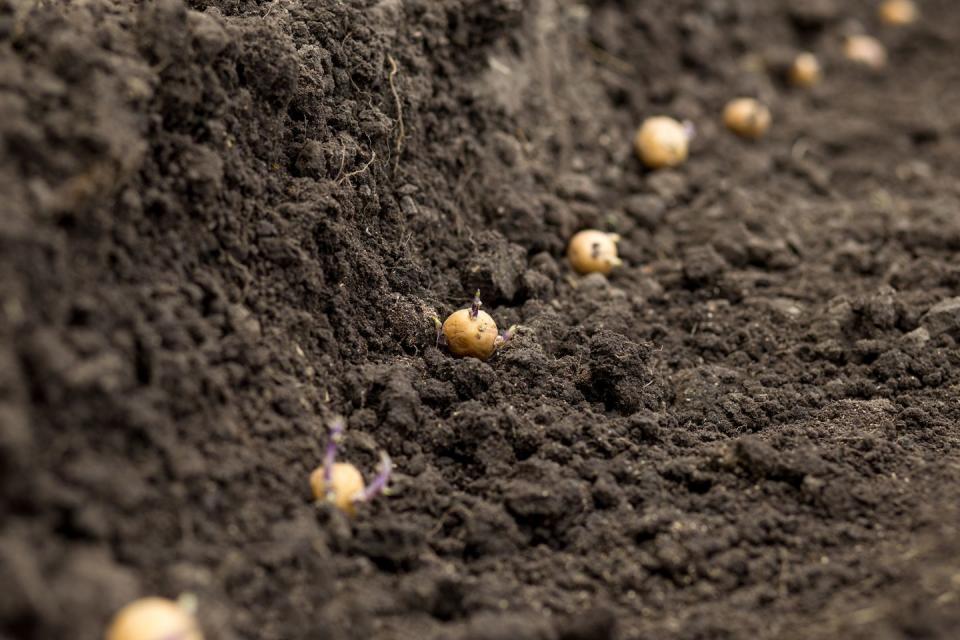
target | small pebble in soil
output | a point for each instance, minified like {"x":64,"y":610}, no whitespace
{"x":747,"y":117}
{"x":943,"y":317}
{"x":805,"y":71}
{"x":662,"y":142}
{"x":898,"y":13}
{"x":592,"y":251}
{"x":151,"y":619}
{"x":865,"y":50}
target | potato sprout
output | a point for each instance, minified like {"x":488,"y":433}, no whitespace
{"x":747,"y":117}
{"x":805,"y":71}
{"x":593,"y":251}
{"x":341,"y":483}
{"x":663,"y":142}
{"x":865,"y":50}
{"x":898,"y":13}
{"x":153,"y":619}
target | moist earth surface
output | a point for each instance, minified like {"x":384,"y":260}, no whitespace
{"x":226,"y":222}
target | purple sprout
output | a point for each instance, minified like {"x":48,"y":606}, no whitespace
{"x":505,"y":337}
{"x":379,"y":484}
{"x":330,"y":455}
{"x":475,"y":307}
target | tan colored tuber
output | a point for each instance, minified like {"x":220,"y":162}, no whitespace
{"x":346,"y":486}
{"x":592,"y":251}
{"x":153,"y":619}
{"x":865,"y":50}
{"x":341,"y":483}
{"x":471,"y":334}
{"x":746,"y":117}
{"x":898,"y":13}
{"x":805,"y":71}
{"x":662,"y":142}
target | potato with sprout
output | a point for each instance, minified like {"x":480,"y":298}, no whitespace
{"x":472,"y":332}
{"x":747,"y":117}
{"x":663,"y":142}
{"x":154,"y":619}
{"x":592,"y":251}
{"x":341,"y":483}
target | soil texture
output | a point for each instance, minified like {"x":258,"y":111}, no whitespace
{"x":224,"y":222}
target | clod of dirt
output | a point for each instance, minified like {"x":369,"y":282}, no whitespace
{"x":26,"y":592}
{"x":703,"y":266}
{"x":759,"y":460}
{"x":619,"y":374}
{"x":813,"y":14}
{"x":495,"y":267}
{"x":393,"y":545}
{"x":507,"y":626}
{"x":943,"y":317}
{"x":597,"y":623}
{"x":646,"y":209}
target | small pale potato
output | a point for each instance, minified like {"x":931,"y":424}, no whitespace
{"x":469,"y":337}
{"x":747,"y":117}
{"x":347,"y":484}
{"x":805,"y":71}
{"x":898,"y":13}
{"x":153,"y":619}
{"x":865,"y":50}
{"x":662,"y":142}
{"x":592,"y":251}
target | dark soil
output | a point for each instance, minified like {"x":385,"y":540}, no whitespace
{"x":218,"y":232}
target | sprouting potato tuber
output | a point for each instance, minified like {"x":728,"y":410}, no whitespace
{"x":865,"y":50}
{"x":346,"y":486}
{"x":471,"y":333}
{"x":593,"y":251}
{"x":341,"y":483}
{"x":662,"y":142}
{"x":805,"y":71}
{"x":898,"y":13}
{"x":153,"y":619}
{"x":747,"y":117}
